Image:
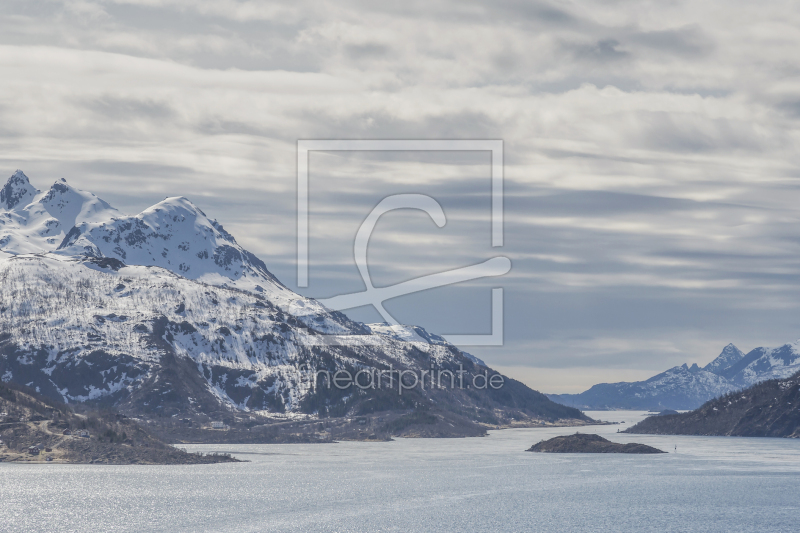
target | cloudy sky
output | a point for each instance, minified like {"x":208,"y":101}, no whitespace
{"x":651,"y":154}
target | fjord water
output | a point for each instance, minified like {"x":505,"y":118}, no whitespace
{"x":723,"y":484}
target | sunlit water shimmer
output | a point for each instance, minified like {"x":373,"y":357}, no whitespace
{"x":477,"y":484}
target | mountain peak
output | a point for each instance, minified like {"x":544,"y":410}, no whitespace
{"x":177,"y":201}
{"x":176,"y":235}
{"x":17,"y":190}
{"x":59,"y":186}
{"x":175,"y":206}
{"x":729,"y":356}
{"x":71,"y":206}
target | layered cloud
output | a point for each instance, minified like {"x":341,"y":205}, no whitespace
{"x":651,"y":164}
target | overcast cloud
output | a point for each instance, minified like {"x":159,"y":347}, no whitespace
{"x":652,"y":170}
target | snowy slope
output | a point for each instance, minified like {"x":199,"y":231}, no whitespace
{"x":414,"y":334}
{"x":65,"y":315}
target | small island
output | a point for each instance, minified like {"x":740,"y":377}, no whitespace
{"x":585,"y":443}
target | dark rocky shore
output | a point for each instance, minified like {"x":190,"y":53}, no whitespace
{"x":34,"y":429}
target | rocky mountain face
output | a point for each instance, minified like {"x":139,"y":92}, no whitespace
{"x":767,"y":409}
{"x":163,"y":313}
{"x":685,"y":388}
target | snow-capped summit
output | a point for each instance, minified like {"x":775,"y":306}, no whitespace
{"x":71,"y":206}
{"x":730,"y":356}
{"x":764,"y":363}
{"x":176,"y":235}
{"x":35,"y":222}
{"x":17,"y":191}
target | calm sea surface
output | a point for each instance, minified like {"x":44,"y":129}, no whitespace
{"x":479,"y":484}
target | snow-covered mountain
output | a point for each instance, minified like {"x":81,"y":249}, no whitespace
{"x":684,"y":387}
{"x":164,"y":312}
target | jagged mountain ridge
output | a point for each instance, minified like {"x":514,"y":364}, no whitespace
{"x":164,"y":312}
{"x":684,"y":387}
{"x":176,"y":235}
{"x":32,"y":221}
{"x":173,"y":234}
{"x":762,"y":364}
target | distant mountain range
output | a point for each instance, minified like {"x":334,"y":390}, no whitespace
{"x":164,"y":313}
{"x":768,"y":409}
{"x":688,"y":387}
